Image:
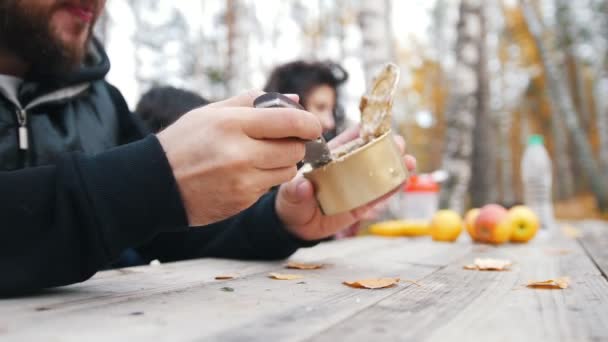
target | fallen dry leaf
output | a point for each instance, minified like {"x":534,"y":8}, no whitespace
{"x":557,"y":283}
{"x":224,"y":277}
{"x":379,"y":283}
{"x":487,"y":264}
{"x":303,"y":266}
{"x":557,"y":251}
{"x":571,"y":232}
{"x":281,"y":276}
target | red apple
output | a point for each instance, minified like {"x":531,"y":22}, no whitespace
{"x":492,"y":224}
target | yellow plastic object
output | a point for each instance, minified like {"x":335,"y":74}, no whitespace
{"x":401,"y":228}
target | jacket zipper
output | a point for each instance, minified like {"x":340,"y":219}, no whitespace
{"x":21,"y":113}
{"x":22,"y":135}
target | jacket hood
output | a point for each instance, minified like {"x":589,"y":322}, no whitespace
{"x":94,"y":68}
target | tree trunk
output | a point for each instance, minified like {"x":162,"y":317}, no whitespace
{"x":581,"y":93}
{"x":376,"y":49}
{"x":601,"y":89}
{"x":485,"y":145}
{"x":601,"y":107}
{"x":231,"y":22}
{"x":506,"y":159}
{"x":565,"y":187}
{"x":238,"y":30}
{"x":462,"y":105}
{"x":564,"y":108}
{"x":567,"y":35}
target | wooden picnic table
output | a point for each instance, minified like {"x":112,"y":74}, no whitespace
{"x":183,"y":302}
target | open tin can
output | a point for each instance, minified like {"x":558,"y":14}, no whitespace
{"x":359,"y":177}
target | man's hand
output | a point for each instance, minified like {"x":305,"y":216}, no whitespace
{"x":297,"y":207}
{"x":224,"y":156}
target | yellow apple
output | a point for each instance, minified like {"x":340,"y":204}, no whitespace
{"x":524,"y":223}
{"x":469,"y":221}
{"x":446,"y":225}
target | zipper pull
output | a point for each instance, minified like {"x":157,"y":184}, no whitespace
{"x":23,"y":136}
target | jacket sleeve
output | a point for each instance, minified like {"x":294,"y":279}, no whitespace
{"x":256,"y":234}
{"x":62,"y":223}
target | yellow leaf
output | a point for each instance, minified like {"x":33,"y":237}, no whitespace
{"x":557,"y":283}
{"x":372,"y":283}
{"x":571,"y":232}
{"x":558,"y":251}
{"x":303,"y":266}
{"x":224,"y":277}
{"x":488,"y":264}
{"x":281,"y":276}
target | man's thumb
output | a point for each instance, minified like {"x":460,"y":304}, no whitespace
{"x":297,"y":191}
{"x":296,"y":204}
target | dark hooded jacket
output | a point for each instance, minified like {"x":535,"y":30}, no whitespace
{"x":80,"y":182}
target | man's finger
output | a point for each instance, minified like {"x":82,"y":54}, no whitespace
{"x":243,"y":100}
{"x":278,"y":153}
{"x":270,"y":178}
{"x":277,"y":123}
{"x":293,"y":97}
{"x":400,"y":142}
{"x":410,"y":162}
{"x":344,"y":137}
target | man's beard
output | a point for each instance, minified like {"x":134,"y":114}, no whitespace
{"x":27,"y":33}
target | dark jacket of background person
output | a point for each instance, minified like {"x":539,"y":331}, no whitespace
{"x":161,"y":106}
{"x":64,"y":216}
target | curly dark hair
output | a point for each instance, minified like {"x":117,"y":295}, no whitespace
{"x":300,"y":77}
{"x":161,"y":106}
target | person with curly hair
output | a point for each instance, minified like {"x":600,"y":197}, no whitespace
{"x":317,"y":84}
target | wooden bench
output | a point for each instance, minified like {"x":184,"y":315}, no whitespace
{"x":183,"y":302}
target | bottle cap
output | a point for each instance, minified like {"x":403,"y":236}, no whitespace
{"x":421,"y":183}
{"x":535,"y":139}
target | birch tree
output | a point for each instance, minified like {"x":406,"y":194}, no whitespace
{"x":162,"y":46}
{"x":564,"y":110}
{"x":374,"y":20}
{"x":569,"y":35}
{"x":564,"y":188}
{"x":462,"y":106}
{"x":238,"y":29}
{"x":600,"y":88}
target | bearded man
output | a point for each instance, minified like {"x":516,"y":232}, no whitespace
{"x":80,"y":181}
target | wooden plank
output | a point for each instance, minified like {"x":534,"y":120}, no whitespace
{"x":460,"y":305}
{"x":131,"y":283}
{"x":595,"y":241}
{"x":124,"y":284}
{"x":420,"y":250}
{"x":205,"y":310}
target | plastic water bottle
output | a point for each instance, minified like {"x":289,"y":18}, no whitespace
{"x":418,"y":200}
{"x":536,"y":175}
